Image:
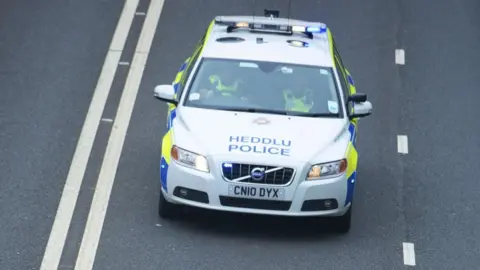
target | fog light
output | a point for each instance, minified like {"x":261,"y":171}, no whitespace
{"x":328,"y":203}
{"x":183,"y":192}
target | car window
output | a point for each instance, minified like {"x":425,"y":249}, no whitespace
{"x":341,"y":71}
{"x":264,"y":85}
{"x":191,"y":63}
{"x":193,"y":59}
{"x":343,"y":82}
{"x":337,"y":53}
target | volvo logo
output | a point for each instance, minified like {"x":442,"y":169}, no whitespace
{"x":258,"y":174}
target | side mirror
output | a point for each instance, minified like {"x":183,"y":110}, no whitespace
{"x":358,"y":98}
{"x":361,"y":109}
{"x":165,"y":93}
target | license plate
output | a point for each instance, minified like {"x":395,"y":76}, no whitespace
{"x":255,"y":192}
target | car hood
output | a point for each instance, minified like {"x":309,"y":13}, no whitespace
{"x":263,"y":135}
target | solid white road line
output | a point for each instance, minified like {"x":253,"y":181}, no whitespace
{"x":402,"y":144}
{"x":66,"y":207}
{"x":408,"y":254}
{"x":98,"y":210}
{"x":400,"y":57}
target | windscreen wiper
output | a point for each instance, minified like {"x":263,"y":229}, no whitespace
{"x":329,"y":115}
{"x":255,"y":110}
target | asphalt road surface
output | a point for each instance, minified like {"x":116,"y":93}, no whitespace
{"x":419,"y":190}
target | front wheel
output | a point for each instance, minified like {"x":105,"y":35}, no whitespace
{"x":167,"y":209}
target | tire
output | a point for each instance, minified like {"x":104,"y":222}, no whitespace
{"x":342,"y":224}
{"x":167,"y":210}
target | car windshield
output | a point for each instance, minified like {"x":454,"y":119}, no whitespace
{"x":265,"y":87}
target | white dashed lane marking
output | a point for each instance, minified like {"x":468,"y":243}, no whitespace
{"x":402,"y":144}
{"x":101,"y":197}
{"x":107,"y":120}
{"x":63,"y":217}
{"x":408,"y":254}
{"x":400,"y":57}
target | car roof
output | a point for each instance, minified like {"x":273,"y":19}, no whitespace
{"x":274,"y":47}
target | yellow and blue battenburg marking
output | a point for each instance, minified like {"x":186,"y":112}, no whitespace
{"x":351,"y":83}
{"x":352,"y":156}
{"x":352,"y":159}
{"x":350,"y":79}
{"x":167,"y":141}
{"x":351,"y":153}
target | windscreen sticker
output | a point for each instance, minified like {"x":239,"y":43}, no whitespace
{"x":259,"y":145}
{"x":194,"y":96}
{"x":286,"y":70}
{"x":332,"y":106}
{"x":324,"y":72}
{"x":248,"y":65}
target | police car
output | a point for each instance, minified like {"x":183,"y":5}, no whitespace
{"x":247,"y":151}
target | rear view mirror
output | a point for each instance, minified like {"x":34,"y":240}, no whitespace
{"x":165,"y":93}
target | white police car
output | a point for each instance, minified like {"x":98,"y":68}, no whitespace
{"x":245,"y":151}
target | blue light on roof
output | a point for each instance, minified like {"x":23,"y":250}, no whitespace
{"x":314,"y":29}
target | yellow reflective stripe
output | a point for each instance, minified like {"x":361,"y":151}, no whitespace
{"x":207,"y":35}
{"x":330,"y":45}
{"x":167,"y":143}
{"x":352,"y":159}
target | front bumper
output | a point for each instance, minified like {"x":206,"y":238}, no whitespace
{"x":300,"y":198}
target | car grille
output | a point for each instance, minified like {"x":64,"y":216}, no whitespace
{"x":242,"y":173}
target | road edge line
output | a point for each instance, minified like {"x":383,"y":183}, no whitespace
{"x":99,"y":206}
{"x":61,"y":225}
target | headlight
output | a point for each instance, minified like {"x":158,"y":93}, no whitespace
{"x":326,"y":170}
{"x":189,"y":159}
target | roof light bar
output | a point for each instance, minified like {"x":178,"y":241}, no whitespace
{"x":271,"y":25}
{"x":299,"y":29}
{"x":309,"y":29}
{"x":242,"y":25}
